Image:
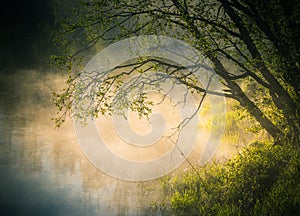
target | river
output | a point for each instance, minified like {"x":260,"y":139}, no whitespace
{"x":45,"y":172}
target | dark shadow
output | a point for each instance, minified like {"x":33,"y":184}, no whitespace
{"x":25,"y":33}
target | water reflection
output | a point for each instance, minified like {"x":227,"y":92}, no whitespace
{"x":43,"y":170}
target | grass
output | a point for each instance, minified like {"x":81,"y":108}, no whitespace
{"x":262,"y":179}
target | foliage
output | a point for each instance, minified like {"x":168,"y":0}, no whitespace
{"x":254,"y":58}
{"x":254,"y":49}
{"x":263,"y":180}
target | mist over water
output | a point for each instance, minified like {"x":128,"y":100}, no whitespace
{"x":43,"y":170}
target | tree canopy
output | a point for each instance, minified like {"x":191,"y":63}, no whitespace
{"x":253,"y":47}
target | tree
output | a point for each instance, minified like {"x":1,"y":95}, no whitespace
{"x":250,"y":43}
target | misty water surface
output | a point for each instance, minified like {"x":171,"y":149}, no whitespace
{"x":44,"y":171}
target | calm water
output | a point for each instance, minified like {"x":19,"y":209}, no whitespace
{"x":43,"y":170}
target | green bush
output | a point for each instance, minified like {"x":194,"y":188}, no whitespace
{"x":262,"y":180}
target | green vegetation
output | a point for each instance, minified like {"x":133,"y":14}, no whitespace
{"x":264,"y":179}
{"x":254,"y":49}
{"x":261,"y":178}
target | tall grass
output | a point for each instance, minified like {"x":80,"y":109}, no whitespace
{"x":262,"y":180}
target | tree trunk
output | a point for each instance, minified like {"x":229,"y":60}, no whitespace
{"x":240,"y":96}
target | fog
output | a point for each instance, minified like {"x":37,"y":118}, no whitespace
{"x":43,"y":170}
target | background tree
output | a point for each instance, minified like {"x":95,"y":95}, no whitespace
{"x":253,"y":47}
